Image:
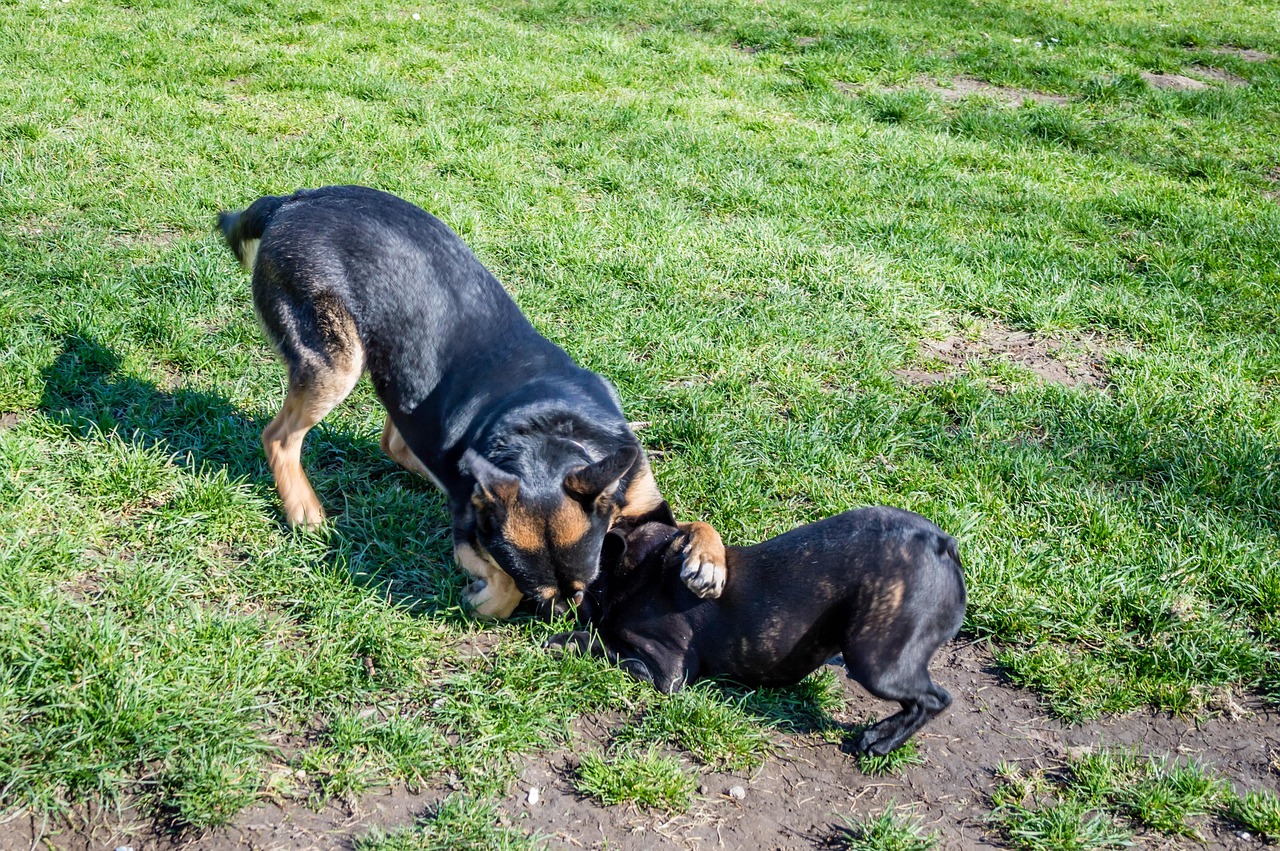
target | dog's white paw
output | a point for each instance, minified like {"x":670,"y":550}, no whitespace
{"x":703,"y":576}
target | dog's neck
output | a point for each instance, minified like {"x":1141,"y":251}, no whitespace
{"x":649,"y":539}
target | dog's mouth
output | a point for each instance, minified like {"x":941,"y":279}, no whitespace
{"x":553,"y":602}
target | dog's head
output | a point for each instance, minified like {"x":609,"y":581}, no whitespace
{"x":634,"y":555}
{"x":549,"y":540}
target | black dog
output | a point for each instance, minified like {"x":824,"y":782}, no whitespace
{"x":881,"y":585}
{"x":532,"y":451}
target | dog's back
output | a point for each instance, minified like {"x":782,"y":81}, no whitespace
{"x":422,"y":303}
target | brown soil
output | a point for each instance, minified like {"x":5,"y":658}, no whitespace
{"x":798,"y":798}
{"x":959,"y":88}
{"x":1218,"y":75}
{"x":963,"y":87}
{"x":1062,"y":360}
{"x":1247,"y":54}
{"x":1177,"y":82}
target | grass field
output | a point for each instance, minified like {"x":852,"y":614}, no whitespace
{"x":752,"y":218}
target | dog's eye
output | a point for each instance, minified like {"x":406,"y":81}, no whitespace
{"x":485,"y":523}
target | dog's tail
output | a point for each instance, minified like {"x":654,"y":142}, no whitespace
{"x":243,"y":230}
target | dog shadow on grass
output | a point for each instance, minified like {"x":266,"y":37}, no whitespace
{"x":387,"y":528}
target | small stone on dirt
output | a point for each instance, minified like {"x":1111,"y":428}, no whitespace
{"x":533,"y":796}
{"x":737,"y":793}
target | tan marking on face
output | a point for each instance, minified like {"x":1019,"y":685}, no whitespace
{"x":524,"y":529}
{"x":568,"y":524}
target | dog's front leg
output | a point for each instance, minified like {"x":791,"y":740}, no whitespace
{"x":704,"y":561}
{"x":492,"y":594}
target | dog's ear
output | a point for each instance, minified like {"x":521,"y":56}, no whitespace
{"x":599,"y":481}
{"x":612,"y":551}
{"x":494,"y":484}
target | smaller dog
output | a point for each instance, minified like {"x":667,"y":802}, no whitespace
{"x":883,"y":586}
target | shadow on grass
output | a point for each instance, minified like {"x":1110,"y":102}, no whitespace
{"x":388,"y":529}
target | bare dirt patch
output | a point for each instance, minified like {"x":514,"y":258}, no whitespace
{"x":1069,"y":360}
{"x":794,"y":801}
{"x":1218,"y":75}
{"x":264,"y":827}
{"x":797,"y":799}
{"x":10,"y":419}
{"x":963,"y":87}
{"x":1174,"y":82}
{"x":1245,"y":53}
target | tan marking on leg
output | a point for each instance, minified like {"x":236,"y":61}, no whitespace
{"x":886,"y":603}
{"x":397,"y":450}
{"x":493,"y":594}
{"x":304,"y":406}
{"x":249,"y":253}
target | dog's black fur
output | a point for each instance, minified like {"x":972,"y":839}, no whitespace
{"x":883,"y":586}
{"x":532,"y":451}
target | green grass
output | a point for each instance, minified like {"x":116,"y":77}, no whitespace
{"x":890,"y":831}
{"x":683,"y":197}
{"x":646,"y":779}
{"x":457,"y":823}
{"x":1103,"y":795}
{"x":1258,"y":812}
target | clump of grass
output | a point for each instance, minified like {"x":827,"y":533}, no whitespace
{"x":1035,"y":816}
{"x":1086,"y":805}
{"x":1258,"y":812}
{"x":892,"y":762}
{"x":699,"y":720}
{"x":1169,"y":795}
{"x":804,"y":707}
{"x":458,"y":823}
{"x":892,"y":830}
{"x":644,"y":778}
{"x":354,"y":754}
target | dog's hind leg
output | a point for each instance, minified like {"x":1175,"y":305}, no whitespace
{"x":905,"y":680}
{"x":325,"y":361}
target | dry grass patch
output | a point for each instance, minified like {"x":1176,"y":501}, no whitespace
{"x":1247,"y":54}
{"x":1070,"y":360}
{"x":962,"y":87}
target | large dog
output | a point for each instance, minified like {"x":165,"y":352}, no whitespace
{"x":883,"y":586}
{"x":532,"y":451}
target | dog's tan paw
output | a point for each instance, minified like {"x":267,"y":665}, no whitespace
{"x":491,"y":600}
{"x":702,"y":573}
{"x":305,"y":516}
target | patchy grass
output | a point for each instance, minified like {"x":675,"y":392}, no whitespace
{"x":892,"y":830}
{"x":753,"y":219}
{"x":1104,"y":795}
{"x":627,"y":776}
{"x":458,"y":823}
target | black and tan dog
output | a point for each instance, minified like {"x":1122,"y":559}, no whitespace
{"x":883,"y":586}
{"x":532,"y":451}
